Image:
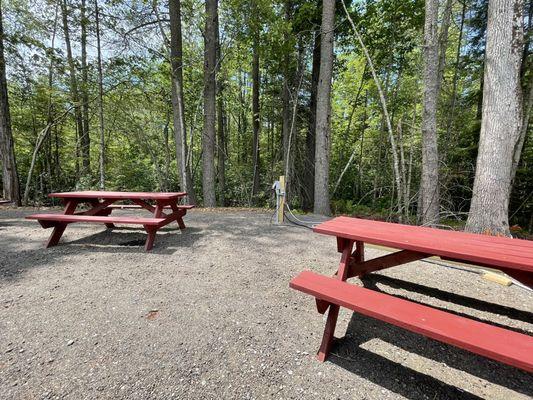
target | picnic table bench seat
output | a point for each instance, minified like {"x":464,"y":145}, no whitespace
{"x":500,"y":344}
{"x":126,"y":220}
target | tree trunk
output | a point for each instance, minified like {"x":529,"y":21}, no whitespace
{"x":309,"y":163}
{"x":178,"y":106}
{"x":288,"y":75}
{"x":85,"y":136}
{"x":453,"y":100}
{"x":74,"y":93}
{"x":100,"y":96}
{"x":392,"y":140}
{"x":323,"y":110}
{"x":209,"y":130}
{"x":10,"y":180}
{"x":256,"y":118}
{"x":429,"y":183}
{"x":221,"y":126}
{"x":501,"y":119}
{"x":527,"y":86}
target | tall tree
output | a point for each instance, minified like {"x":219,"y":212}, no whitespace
{"x":10,"y":180}
{"x":429,"y":184}
{"x":310,"y":138}
{"x":256,"y":118}
{"x":286,"y":110}
{"x":85,"y":136}
{"x":221,"y":125}
{"x":209,"y":130}
{"x":501,"y":118}
{"x":100,"y":95}
{"x":323,"y":110}
{"x":178,"y":106}
{"x":74,"y":90}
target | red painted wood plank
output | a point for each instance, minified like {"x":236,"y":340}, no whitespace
{"x":500,"y":344}
{"x":96,"y":219}
{"x":482,"y":242}
{"x":94,"y":194}
{"x":489,"y":250}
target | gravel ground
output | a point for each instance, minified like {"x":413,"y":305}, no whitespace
{"x":208,"y":314}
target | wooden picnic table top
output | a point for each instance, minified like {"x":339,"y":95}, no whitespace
{"x":95,"y":194}
{"x":462,"y":246}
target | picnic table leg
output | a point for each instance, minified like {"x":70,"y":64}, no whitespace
{"x":59,"y":228}
{"x":179,"y":214}
{"x":333,"y":313}
{"x":151,"y":231}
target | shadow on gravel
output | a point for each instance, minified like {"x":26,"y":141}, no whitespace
{"x":454,"y":298}
{"x":119,"y":239}
{"x":348,"y":353}
{"x":370,"y":282}
{"x":14,"y":262}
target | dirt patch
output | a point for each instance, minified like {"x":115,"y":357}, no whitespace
{"x":209,"y":314}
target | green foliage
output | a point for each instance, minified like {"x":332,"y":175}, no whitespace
{"x":140,"y":148}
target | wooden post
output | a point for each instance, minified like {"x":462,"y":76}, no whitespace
{"x":281,"y":197}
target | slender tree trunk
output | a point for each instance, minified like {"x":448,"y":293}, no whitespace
{"x":10,"y":180}
{"x":50,"y":120}
{"x":527,"y":85}
{"x":501,"y":119}
{"x":74,"y":93}
{"x":429,"y":184}
{"x":310,"y":139}
{"x":256,"y":118}
{"x":221,"y":126}
{"x":451,"y":108}
{"x":100,"y":96}
{"x":386,"y":117}
{"x":178,"y":106}
{"x":85,"y":136}
{"x":364,"y":125}
{"x":323,"y":110}
{"x":288,"y":75}
{"x":209,"y":130}
{"x":443,"y":41}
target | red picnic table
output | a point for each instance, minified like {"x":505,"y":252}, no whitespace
{"x":513,"y":256}
{"x":101,"y":204}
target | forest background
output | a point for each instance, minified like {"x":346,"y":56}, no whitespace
{"x":219,"y":99}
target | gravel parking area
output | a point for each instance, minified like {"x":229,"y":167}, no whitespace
{"x":208,"y":314}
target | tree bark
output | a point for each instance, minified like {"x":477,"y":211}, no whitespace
{"x":451,"y":108}
{"x":10,"y":180}
{"x":74,"y":93}
{"x":100,"y":96}
{"x":256,"y":117}
{"x":209,"y":131}
{"x":323,"y":110}
{"x":221,"y":125}
{"x":288,"y":75}
{"x":309,"y":164}
{"x":85,"y":136}
{"x":429,"y":184}
{"x":527,"y":85}
{"x":501,"y":119}
{"x":177,"y":98}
